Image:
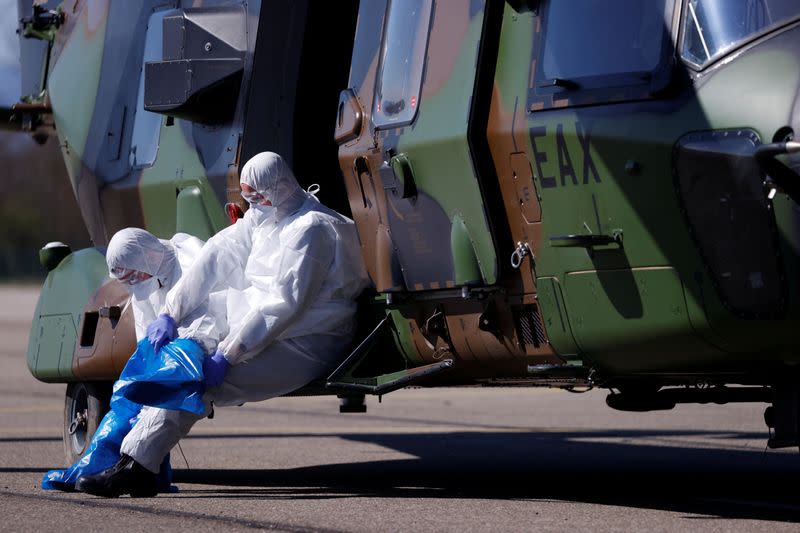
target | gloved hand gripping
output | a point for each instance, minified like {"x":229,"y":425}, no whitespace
{"x":214,"y":369}
{"x":161,"y":331}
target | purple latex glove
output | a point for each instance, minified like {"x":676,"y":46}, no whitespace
{"x":214,"y":369}
{"x":161,"y":331}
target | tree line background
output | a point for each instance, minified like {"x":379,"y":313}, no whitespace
{"x":37,"y":205}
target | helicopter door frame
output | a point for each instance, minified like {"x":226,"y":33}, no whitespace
{"x":402,"y":170}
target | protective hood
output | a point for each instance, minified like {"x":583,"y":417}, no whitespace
{"x":136,"y":249}
{"x":269,"y":174}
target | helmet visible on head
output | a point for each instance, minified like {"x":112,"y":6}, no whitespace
{"x":134,"y":250}
{"x":269,"y":174}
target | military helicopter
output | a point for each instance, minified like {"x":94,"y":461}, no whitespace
{"x":562,"y":194}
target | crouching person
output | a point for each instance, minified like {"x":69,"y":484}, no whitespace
{"x":290,"y":270}
{"x":147,"y":267}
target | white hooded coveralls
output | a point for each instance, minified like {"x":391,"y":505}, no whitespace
{"x":165,"y":260}
{"x":291,"y":273}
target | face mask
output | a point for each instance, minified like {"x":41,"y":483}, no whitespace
{"x":143,"y":289}
{"x":263,"y":213}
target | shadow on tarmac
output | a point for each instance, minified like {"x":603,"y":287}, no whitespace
{"x":590,"y":467}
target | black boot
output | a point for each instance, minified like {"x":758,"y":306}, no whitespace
{"x":125,"y":477}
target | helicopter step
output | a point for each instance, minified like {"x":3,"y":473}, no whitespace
{"x":342,"y":379}
{"x":566,"y":376}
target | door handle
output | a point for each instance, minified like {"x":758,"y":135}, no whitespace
{"x":586,"y":241}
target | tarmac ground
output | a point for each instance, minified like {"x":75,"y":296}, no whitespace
{"x":447,"y":459}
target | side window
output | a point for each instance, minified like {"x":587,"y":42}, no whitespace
{"x":403,"y":52}
{"x":583,"y":47}
{"x":147,"y":125}
{"x":711,"y":28}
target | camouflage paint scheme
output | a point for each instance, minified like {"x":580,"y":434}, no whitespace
{"x":650,"y":305}
{"x":94,"y":115}
{"x":488,"y":161}
{"x":427,"y":247}
{"x":106,"y":37}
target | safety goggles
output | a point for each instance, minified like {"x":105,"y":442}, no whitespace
{"x":129,"y":275}
{"x":253,"y":197}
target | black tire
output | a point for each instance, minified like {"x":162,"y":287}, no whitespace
{"x":90,"y":400}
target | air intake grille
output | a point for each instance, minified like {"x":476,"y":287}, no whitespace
{"x":529,"y":326}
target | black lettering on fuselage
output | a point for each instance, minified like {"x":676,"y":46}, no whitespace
{"x":585,"y":138}
{"x":566,"y":169}
{"x":541,"y":157}
{"x":564,"y":161}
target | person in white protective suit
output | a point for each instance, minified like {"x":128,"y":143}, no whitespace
{"x":291,"y":269}
{"x":148,"y":268}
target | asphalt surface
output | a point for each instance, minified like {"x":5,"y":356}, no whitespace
{"x":448,"y":459}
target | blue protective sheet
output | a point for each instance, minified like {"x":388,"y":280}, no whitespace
{"x":172,"y":379}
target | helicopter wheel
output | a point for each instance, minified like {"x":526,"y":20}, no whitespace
{"x":85,"y":405}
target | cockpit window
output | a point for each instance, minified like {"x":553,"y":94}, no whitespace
{"x":713,"y":27}
{"x":591,"y":38}
{"x":403,"y":52}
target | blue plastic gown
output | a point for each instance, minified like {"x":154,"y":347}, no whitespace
{"x":171,"y":379}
